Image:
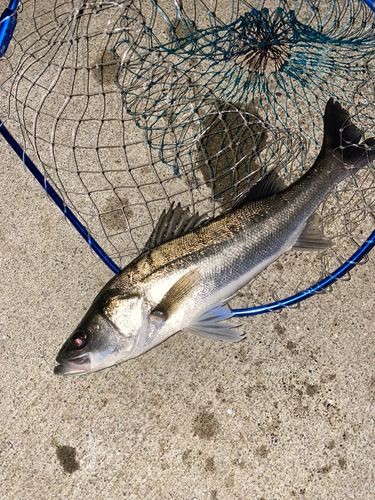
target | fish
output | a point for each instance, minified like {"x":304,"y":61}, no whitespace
{"x":191,"y":266}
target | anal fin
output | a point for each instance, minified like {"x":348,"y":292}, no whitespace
{"x":312,"y":237}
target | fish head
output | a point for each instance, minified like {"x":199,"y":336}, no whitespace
{"x":113,"y":330}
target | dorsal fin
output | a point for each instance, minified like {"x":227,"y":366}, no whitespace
{"x":268,"y":185}
{"x":173,"y":223}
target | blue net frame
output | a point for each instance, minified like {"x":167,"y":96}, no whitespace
{"x":228,"y":51}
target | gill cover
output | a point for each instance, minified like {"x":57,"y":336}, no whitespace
{"x":128,"y":312}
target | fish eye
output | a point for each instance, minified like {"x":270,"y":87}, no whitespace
{"x":78,"y":340}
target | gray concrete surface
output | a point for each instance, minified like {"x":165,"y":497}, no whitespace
{"x":289,"y":413}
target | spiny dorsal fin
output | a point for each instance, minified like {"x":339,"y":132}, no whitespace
{"x":209,"y":325}
{"x":268,"y":185}
{"x":173,"y":223}
{"x":312,"y":237}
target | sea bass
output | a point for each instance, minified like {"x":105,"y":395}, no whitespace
{"x":191,"y":266}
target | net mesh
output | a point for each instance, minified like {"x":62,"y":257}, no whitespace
{"x":129,"y":106}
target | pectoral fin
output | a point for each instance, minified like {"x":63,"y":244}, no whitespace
{"x":312,"y":237}
{"x":178,"y":294}
{"x":209,"y":325}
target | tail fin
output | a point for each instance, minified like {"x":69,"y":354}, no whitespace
{"x":342,"y":137}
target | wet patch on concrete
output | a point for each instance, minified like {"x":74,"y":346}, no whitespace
{"x":311,"y":389}
{"x":371,"y":387}
{"x":186,"y":458}
{"x":262,"y":451}
{"x":331,"y":445}
{"x":241,"y":355}
{"x":253,"y":389}
{"x":205,"y":425}
{"x":324,"y":379}
{"x":67,"y":458}
{"x":325,"y":469}
{"x":115,"y":214}
{"x":210,"y":464}
{"x":239,"y":463}
{"x":106,"y":69}
{"x":280,"y":330}
{"x":219,"y":390}
{"x":291,"y":346}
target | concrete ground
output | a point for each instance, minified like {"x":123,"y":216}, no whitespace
{"x":289,"y":413}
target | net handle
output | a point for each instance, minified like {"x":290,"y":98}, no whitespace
{"x":8,"y":21}
{"x":57,"y":199}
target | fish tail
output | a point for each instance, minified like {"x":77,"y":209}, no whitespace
{"x":342,"y":139}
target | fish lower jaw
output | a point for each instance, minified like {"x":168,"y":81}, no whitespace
{"x":71,"y":368}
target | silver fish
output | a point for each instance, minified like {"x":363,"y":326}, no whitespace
{"x":191,"y":267}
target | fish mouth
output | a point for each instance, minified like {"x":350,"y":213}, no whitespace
{"x":74,"y":366}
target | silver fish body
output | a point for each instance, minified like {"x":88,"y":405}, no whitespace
{"x":184,"y":283}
